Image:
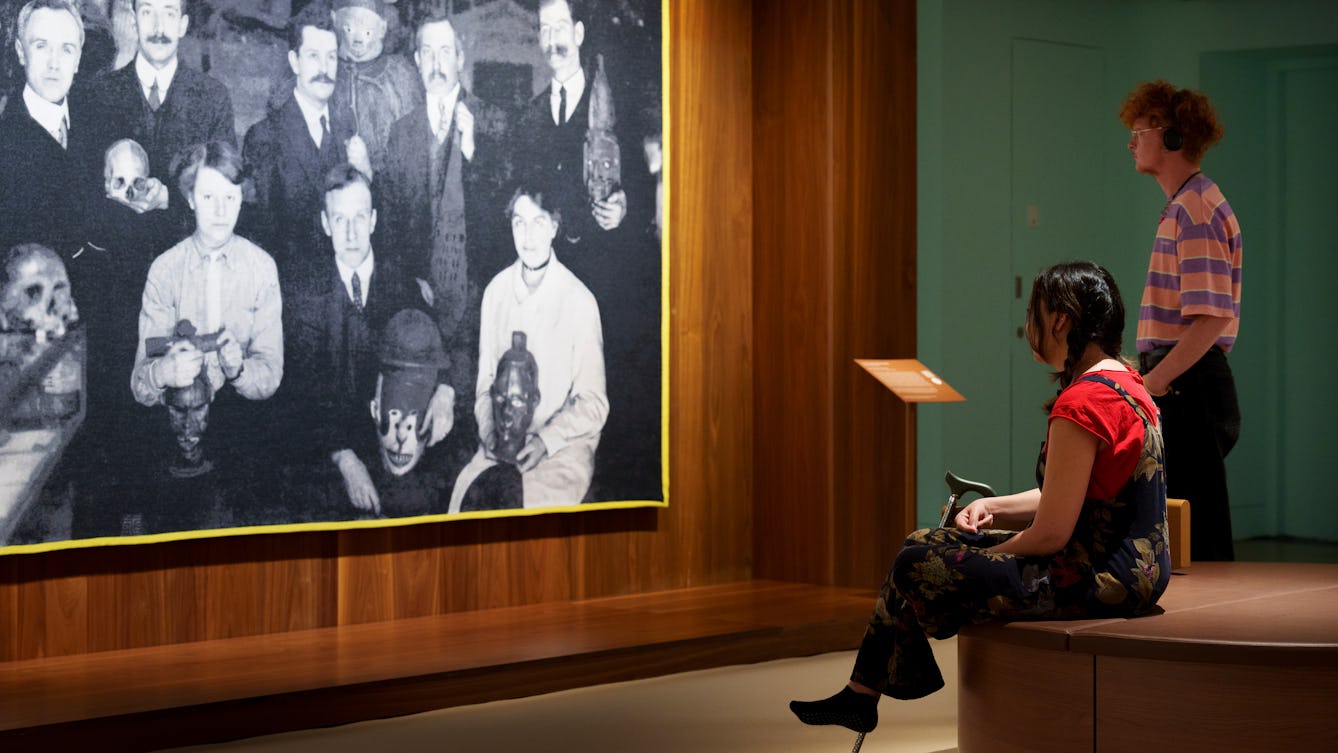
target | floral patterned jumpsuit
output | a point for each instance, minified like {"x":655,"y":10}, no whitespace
{"x":1116,"y":564}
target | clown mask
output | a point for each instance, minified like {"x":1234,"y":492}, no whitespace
{"x":400,"y":412}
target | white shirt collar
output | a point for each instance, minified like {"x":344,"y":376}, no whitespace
{"x":203,"y":255}
{"x":575,"y":85}
{"x":47,"y":115}
{"x":364,"y":271}
{"x":434,"y":107}
{"x":312,"y":112}
{"x":147,"y":74}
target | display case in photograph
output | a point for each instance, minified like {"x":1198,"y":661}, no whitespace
{"x":41,"y":408}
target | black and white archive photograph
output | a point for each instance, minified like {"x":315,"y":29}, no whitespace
{"x":277,"y":265}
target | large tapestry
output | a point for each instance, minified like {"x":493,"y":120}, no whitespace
{"x":275,"y":266}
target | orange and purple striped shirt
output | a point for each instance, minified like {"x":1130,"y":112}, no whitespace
{"x":1195,"y":267}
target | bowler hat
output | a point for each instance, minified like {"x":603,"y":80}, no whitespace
{"x":376,"y":6}
{"x":412,"y":340}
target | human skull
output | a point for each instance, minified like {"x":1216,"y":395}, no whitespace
{"x":125,"y":171}
{"x":36,"y":293}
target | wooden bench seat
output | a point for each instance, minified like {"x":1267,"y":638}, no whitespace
{"x":210,"y":691}
{"x":1244,"y":658}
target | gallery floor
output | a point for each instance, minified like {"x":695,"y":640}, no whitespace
{"x":736,"y":709}
{"x":727,"y":710}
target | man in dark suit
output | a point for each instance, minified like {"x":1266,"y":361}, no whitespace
{"x":161,"y":104}
{"x":605,"y":242}
{"x":552,"y":131}
{"x":334,"y":318}
{"x":443,"y":179}
{"x":291,"y":150}
{"x":49,"y":156}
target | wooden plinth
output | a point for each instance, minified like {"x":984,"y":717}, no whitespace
{"x":211,"y":691}
{"x":1244,"y":658}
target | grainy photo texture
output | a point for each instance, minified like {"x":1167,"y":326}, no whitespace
{"x":270,"y":265}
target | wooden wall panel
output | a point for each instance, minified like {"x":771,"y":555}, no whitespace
{"x":76,"y":601}
{"x":834,"y":147}
{"x":793,"y":289}
{"x":876,"y":56}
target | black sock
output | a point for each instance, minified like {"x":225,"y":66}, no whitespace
{"x":854,"y":711}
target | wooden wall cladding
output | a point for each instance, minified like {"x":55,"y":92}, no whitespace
{"x":834,"y":237}
{"x":79,"y":601}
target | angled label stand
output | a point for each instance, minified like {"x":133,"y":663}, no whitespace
{"x":912,"y":382}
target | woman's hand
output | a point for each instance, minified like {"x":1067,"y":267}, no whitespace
{"x":974,"y":516}
{"x":230,"y":356}
{"x":531,"y":454}
{"x":180,"y":365}
{"x":441,"y":413}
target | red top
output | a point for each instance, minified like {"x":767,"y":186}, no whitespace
{"x":1101,"y":411}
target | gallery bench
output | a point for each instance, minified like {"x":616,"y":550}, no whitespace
{"x":210,"y":691}
{"x":1244,"y":657}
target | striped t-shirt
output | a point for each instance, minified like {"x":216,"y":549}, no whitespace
{"x":1195,"y":267}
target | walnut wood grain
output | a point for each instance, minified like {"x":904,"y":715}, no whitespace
{"x":141,"y":699}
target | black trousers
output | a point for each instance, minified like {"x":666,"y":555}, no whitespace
{"x":1200,"y":424}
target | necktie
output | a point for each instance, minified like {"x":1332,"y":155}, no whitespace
{"x":154,"y":100}
{"x":562,"y":105}
{"x":443,"y":123}
{"x":63,"y":136}
{"x":213,"y":293}
{"x":357,"y":291}
{"x":325,"y":131}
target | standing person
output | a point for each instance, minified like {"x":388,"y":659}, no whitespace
{"x":375,"y":86}
{"x":165,"y":106}
{"x":1096,"y":540}
{"x":290,"y":152}
{"x":552,"y":132}
{"x":1190,"y":313}
{"x":557,"y":320}
{"x":442,"y":186}
{"x":51,"y":153}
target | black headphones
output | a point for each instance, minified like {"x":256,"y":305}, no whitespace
{"x":1171,"y":137}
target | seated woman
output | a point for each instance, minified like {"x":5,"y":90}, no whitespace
{"x":1096,"y":543}
{"x":228,"y":289}
{"x":544,"y":425}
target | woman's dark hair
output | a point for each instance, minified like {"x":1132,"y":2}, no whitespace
{"x":220,"y":155}
{"x":540,"y":199}
{"x":1088,"y":295}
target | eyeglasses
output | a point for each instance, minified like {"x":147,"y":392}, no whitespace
{"x":1134,"y":132}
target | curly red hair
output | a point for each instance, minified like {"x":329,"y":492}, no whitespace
{"x":1187,"y":109}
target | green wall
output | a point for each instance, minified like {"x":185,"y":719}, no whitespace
{"x":970,"y":194}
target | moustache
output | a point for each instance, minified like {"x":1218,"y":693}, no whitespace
{"x":560,"y":50}
{"x":159,"y":39}
{"x":321,"y":78}
{"x":436,"y":76}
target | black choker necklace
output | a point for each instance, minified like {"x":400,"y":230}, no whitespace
{"x":1178,"y":190}
{"x":528,"y":268}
